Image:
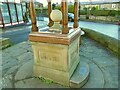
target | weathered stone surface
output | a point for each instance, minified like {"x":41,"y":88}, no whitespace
{"x":54,"y":60}
{"x":80,"y":76}
{"x":25,"y":57}
{"x":24,"y":45}
{"x":7,"y":82}
{"x":25,"y":71}
{"x":0,"y":83}
{"x":35,"y":83}
{"x":49,"y":55}
{"x":9,"y":64}
{"x":17,"y":52}
{"x":12,"y":70}
{"x":12,"y":48}
{"x":96,"y":79}
{"x":52,"y":74}
{"x":104,"y":61}
{"x":111,"y":76}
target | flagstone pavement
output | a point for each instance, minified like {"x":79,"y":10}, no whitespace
{"x":17,"y":62}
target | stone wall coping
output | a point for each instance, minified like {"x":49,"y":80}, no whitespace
{"x":56,"y":38}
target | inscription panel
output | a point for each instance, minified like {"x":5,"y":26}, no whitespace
{"x":52,"y":56}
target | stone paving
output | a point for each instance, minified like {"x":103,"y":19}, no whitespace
{"x":17,"y":63}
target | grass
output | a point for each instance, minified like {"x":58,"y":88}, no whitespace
{"x":45,"y":80}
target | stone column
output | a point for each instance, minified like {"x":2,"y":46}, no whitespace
{"x":65,"y":17}
{"x":75,"y":25}
{"x":61,"y":11}
{"x":33,"y":17}
{"x":49,"y":11}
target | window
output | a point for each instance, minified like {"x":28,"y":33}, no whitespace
{"x":17,"y":1}
{"x":10,"y":0}
{"x":24,"y":9}
{"x":13,"y":13}
{"x":5,"y":14}
{"x":19,"y":12}
{"x":3,"y":1}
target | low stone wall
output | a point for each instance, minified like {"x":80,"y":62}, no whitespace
{"x":101,"y":18}
{"x":109,"y":42}
{"x":4,"y":43}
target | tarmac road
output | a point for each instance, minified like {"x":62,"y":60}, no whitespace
{"x":21,"y":33}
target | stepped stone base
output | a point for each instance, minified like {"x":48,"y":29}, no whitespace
{"x":4,"y":43}
{"x":80,"y":76}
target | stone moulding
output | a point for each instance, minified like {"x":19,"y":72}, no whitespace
{"x":55,"y":38}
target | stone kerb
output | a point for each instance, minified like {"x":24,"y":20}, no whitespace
{"x":4,"y":43}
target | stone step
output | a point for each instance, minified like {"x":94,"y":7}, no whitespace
{"x":4,"y":43}
{"x":80,"y":76}
{"x":96,"y":79}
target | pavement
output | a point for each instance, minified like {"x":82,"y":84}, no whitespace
{"x":19,"y":33}
{"x":17,"y":62}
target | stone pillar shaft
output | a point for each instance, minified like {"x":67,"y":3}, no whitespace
{"x":49,"y":11}
{"x":65,"y":17}
{"x":76,"y":5}
{"x":33,"y":17}
{"x":62,"y":12}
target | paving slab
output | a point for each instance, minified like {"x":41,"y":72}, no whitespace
{"x":104,"y":61}
{"x":35,"y":83}
{"x":0,"y":83}
{"x":25,"y":57}
{"x":111,"y":76}
{"x":12,"y":70}
{"x":7,"y":82}
{"x":25,"y":71}
{"x":96,"y":79}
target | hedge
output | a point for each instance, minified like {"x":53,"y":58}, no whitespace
{"x":38,"y":11}
{"x":84,"y":12}
{"x":70,"y":8}
{"x":101,"y":12}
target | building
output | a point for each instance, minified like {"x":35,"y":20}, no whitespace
{"x":102,"y":5}
{"x":12,"y":12}
{"x":38,"y":5}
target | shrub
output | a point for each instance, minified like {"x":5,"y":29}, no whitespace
{"x":100,"y":12}
{"x":82,"y":12}
{"x":57,"y":7}
{"x":71,"y":9}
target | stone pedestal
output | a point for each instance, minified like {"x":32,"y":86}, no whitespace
{"x":56,"y":56}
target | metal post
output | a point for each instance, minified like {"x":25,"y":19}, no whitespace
{"x":22,"y":10}
{"x":2,"y":18}
{"x":16,"y":12}
{"x":9,"y":12}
